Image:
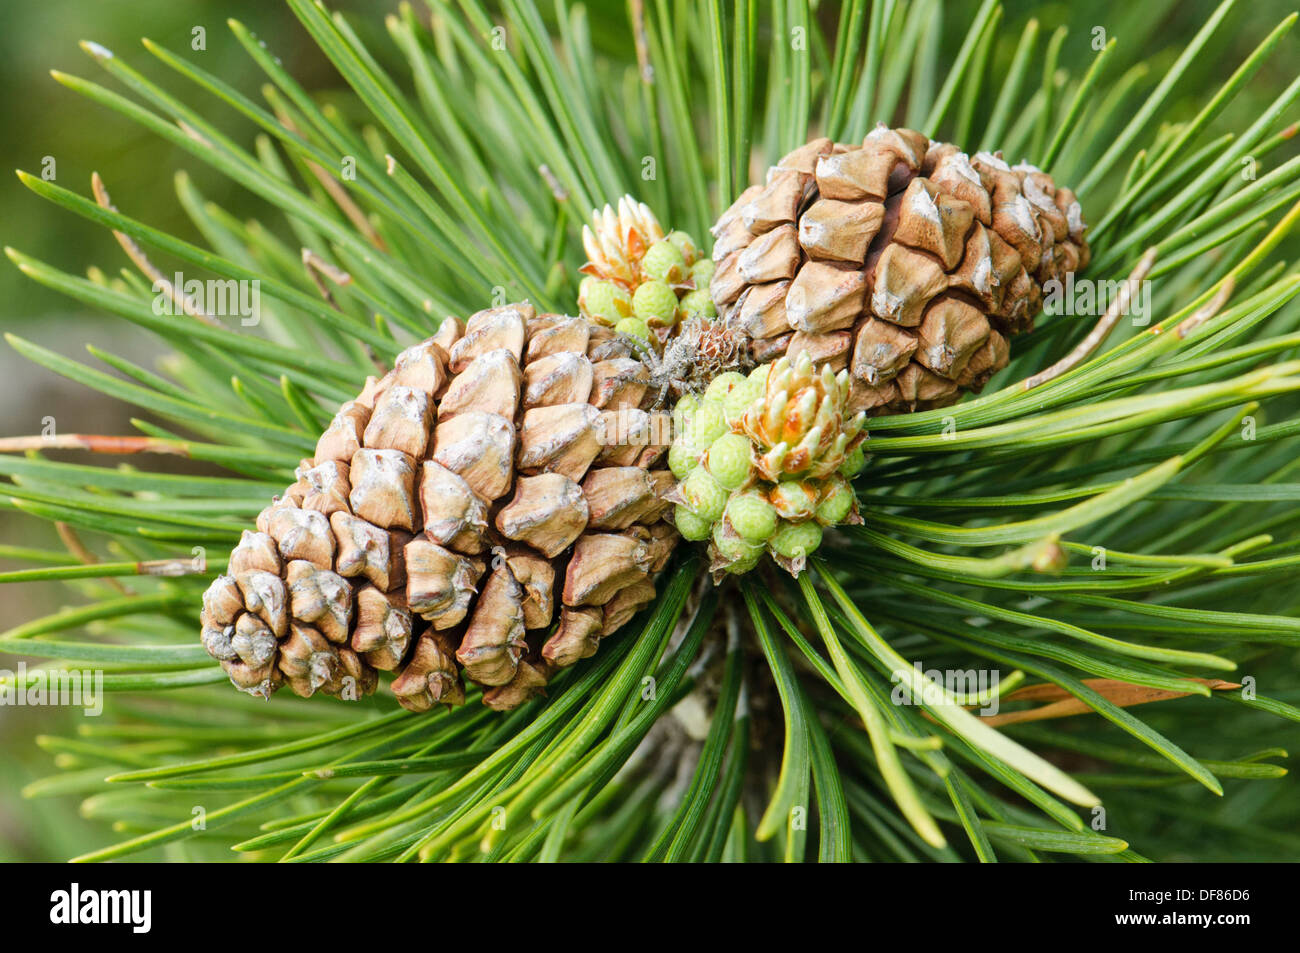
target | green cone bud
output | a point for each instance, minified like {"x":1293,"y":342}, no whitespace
{"x":751,"y":516}
{"x":758,"y":460}
{"x":635,"y":327}
{"x":741,"y":566}
{"x":702,"y":495}
{"x":721,"y":385}
{"x":606,"y":302}
{"x":837,"y":502}
{"x":682,"y":458}
{"x":793,"y":500}
{"x":729,"y":460}
{"x":707,"y":423}
{"x":683,"y":413}
{"x":664,"y":261}
{"x":702,"y":273}
{"x":697,"y":304}
{"x":689,"y":525}
{"x":854,"y":462}
{"x":739,"y":398}
{"x":735,"y":552}
{"x":796,"y":540}
{"x":655,"y":303}
{"x":686,"y":245}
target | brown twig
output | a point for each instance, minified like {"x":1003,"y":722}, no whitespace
{"x":141,"y":260}
{"x":1062,"y":704}
{"x":75,"y":546}
{"x":170,"y":567}
{"x":338,"y":193}
{"x":557,"y":190}
{"x":95,"y":443}
{"x":1118,"y":306}
{"x":1207,"y":310}
{"x":642,"y":43}
{"x":317,"y":267}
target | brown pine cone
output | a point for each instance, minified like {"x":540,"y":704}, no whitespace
{"x":487,"y":507}
{"x":902,"y":259}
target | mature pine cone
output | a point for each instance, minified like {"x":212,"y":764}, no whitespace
{"x":901,"y":259}
{"x":488,"y":506}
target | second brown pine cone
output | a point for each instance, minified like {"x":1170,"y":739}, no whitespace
{"x":902,"y":259}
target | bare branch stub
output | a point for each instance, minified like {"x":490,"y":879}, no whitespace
{"x":141,"y":260}
{"x":1207,"y":310}
{"x":95,"y":443}
{"x":1085,"y":348}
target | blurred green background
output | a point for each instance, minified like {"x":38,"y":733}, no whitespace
{"x":40,"y":119}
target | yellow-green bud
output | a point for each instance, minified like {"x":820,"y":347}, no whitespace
{"x":751,"y":516}
{"x":796,"y":540}
{"x":730,"y":460}
{"x":702,"y":273}
{"x":721,"y":385}
{"x":739,"y":399}
{"x":836,"y":503}
{"x":702,"y":495}
{"x":635,"y":327}
{"x":689,"y":525}
{"x":655,"y":303}
{"x":686,"y":245}
{"x":854,"y":461}
{"x":606,"y":302}
{"x":739,"y":554}
{"x":707,"y":423}
{"x":793,"y":500}
{"x":682,"y":458}
{"x":683,"y":414}
{"x":697,"y":304}
{"x":664,"y":261}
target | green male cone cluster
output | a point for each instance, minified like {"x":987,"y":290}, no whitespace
{"x":639,"y":280}
{"x":764,"y":463}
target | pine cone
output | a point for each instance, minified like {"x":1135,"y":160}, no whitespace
{"x":487,"y":507}
{"x":902,"y":260}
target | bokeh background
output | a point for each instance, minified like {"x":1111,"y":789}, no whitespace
{"x":40,"y":118}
